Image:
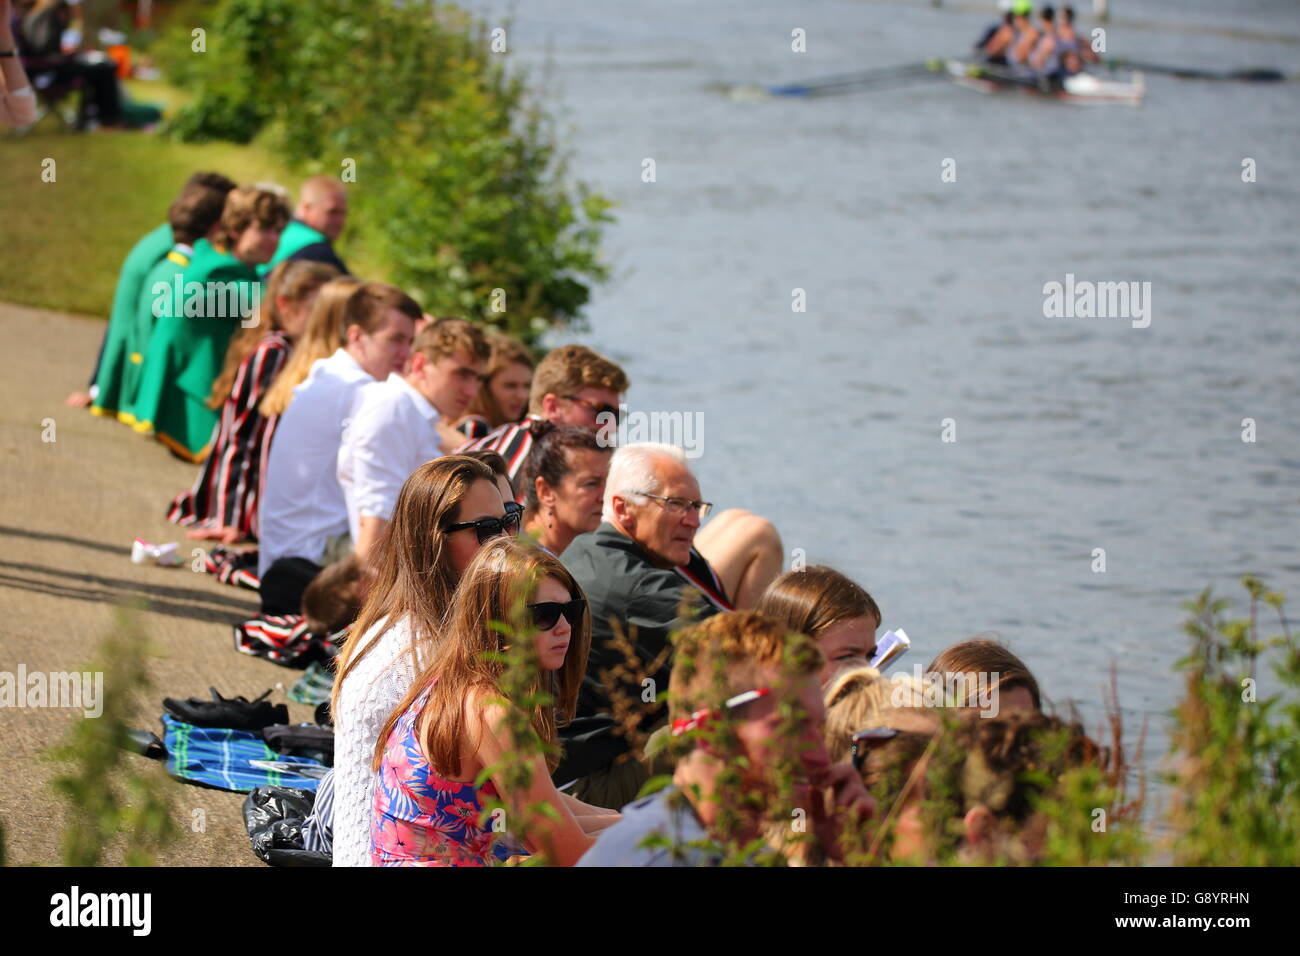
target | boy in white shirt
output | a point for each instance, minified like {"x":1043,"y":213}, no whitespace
{"x":402,"y":422}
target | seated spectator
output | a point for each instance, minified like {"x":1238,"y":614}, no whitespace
{"x":834,"y":611}
{"x":333,"y":599}
{"x":223,"y":502}
{"x":41,"y":36}
{"x":564,"y":485}
{"x":317,"y":222}
{"x":968,"y":792}
{"x":855,"y":700}
{"x":572,"y":385}
{"x":980,"y":665}
{"x":303,"y":513}
{"x":188,"y":344}
{"x":456,"y":723}
{"x":394,"y":429}
{"x":498,"y":466}
{"x":322,"y":337}
{"x":745,"y":672}
{"x":195,"y":214}
{"x":446,"y":510}
{"x":503,"y":399}
{"x":636,"y":569}
{"x":17,"y":100}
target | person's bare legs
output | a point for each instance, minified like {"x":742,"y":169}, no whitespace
{"x":745,"y":551}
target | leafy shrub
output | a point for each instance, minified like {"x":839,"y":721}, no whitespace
{"x":460,"y":189}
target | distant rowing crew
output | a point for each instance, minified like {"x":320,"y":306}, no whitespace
{"x":1050,"y":50}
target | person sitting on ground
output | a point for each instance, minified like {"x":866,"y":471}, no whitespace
{"x":638,"y":570}
{"x":195,"y":214}
{"x":857,"y":698}
{"x":503,"y":399}
{"x":303,"y":516}
{"x":985,"y":666}
{"x":455,"y":725}
{"x":445,"y":512}
{"x":17,"y":99}
{"x":564,"y":485}
{"x":197,"y":317}
{"x":968,"y":790}
{"x":333,"y":599}
{"x":322,"y":337}
{"x":223,"y":502}
{"x":572,"y":386}
{"x":498,"y":466}
{"x":743,"y":673}
{"x":395,"y":426}
{"x":317,"y":223}
{"x":831,"y":609}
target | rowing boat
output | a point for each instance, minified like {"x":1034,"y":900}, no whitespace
{"x":1085,"y":88}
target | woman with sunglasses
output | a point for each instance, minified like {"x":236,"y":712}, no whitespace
{"x":445,"y":512}
{"x":455,"y":722}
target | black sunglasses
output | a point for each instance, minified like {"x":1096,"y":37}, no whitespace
{"x":547,"y":614}
{"x":489,"y":528}
{"x":597,"y":410}
{"x":865,"y":740}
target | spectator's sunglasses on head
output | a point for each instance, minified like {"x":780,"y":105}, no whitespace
{"x":679,"y":506}
{"x":597,"y":410}
{"x":489,"y":528}
{"x":864,"y":741}
{"x":684,"y":725}
{"x":547,"y":613}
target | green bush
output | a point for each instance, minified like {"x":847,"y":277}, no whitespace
{"x":459,"y":187}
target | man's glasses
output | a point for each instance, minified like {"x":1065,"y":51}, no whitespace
{"x":597,"y":410}
{"x":547,"y":613}
{"x":679,"y":506}
{"x":489,"y":528}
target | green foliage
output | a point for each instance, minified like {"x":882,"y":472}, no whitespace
{"x":98,"y":807}
{"x":1237,"y":753}
{"x":459,"y":187}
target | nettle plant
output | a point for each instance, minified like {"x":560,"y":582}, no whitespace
{"x":461,"y":193}
{"x":1236,"y":753}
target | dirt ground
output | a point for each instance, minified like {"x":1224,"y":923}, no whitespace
{"x":69,"y":511}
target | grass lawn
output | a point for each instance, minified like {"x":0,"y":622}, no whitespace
{"x":64,"y":241}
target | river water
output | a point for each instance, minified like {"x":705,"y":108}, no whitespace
{"x":925,"y":302}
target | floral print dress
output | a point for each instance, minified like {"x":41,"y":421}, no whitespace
{"x":419,"y":818}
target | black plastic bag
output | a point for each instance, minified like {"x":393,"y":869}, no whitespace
{"x":274,"y":817}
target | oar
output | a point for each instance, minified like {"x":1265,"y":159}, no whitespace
{"x":1248,"y":75}
{"x":846,"y":81}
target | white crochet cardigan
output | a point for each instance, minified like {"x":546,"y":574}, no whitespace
{"x":376,"y":685}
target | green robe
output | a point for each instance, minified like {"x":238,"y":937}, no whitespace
{"x":296,"y":235}
{"x":145,"y":320}
{"x":122,"y":349}
{"x":188,"y":349}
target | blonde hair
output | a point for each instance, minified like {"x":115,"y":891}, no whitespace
{"x":321,"y":337}
{"x":499,"y":581}
{"x":854,"y":700}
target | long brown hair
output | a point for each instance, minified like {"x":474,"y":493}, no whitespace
{"x":813,"y":599}
{"x":500,"y":580}
{"x":982,"y":655}
{"x":291,"y":280}
{"x":321,"y":338}
{"x":415,"y":578}
{"x":505,"y":352}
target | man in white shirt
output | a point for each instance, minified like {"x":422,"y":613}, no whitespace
{"x":303,"y":514}
{"x":396,"y":426}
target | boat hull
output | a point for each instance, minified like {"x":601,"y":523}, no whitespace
{"x":1085,"y":89}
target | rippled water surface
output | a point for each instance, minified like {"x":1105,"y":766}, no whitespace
{"x":925,"y":302}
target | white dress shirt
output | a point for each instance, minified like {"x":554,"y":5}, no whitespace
{"x":302,"y":506}
{"x":393,"y":432}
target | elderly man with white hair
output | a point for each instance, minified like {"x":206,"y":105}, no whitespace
{"x":635,"y":569}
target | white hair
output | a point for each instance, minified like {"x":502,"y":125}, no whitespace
{"x":632,"y":471}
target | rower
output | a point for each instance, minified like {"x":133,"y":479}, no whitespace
{"x":1026,"y":33}
{"x":1073,"y":50}
{"x":1045,"y":59}
{"x":993,"y":44}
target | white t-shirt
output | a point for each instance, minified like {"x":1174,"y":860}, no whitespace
{"x":393,"y":432}
{"x":302,"y":505}
{"x":369,"y":695}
